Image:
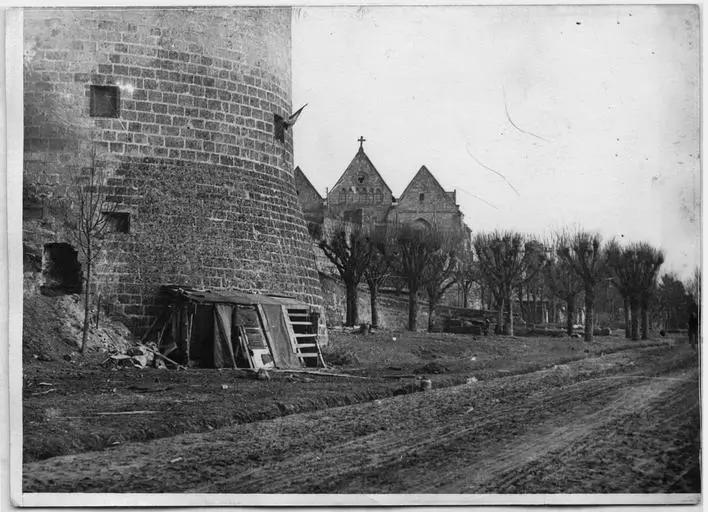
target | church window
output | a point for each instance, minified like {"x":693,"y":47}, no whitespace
{"x":378,"y":196}
{"x":361,"y":178}
{"x":421,"y":196}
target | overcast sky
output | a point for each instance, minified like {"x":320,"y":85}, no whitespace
{"x":589,"y":113}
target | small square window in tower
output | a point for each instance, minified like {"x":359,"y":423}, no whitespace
{"x":105,"y":101}
{"x":117,"y":222}
{"x":421,"y":196}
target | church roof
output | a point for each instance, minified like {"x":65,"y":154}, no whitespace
{"x":424,"y":174}
{"x":300,"y":176}
{"x":360,"y":163}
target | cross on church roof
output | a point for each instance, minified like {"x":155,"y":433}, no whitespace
{"x":361,"y":140}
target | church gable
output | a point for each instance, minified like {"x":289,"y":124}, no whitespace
{"x":310,"y":200}
{"x":360,"y":184}
{"x":306,"y":192}
{"x":425,"y":194}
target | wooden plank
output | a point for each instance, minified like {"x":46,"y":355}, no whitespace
{"x":307,"y":345}
{"x":301,"y":323}
{"x":266,"y":330}
{"x":291,"y":333}
{"x":243,"y":340}
{"x":308,"y":354}
{"x":316,"y":372}
{"x":298,"y":335}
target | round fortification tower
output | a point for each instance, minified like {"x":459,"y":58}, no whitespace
{"x":178,"y":109}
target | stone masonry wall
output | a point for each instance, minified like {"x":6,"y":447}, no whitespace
{"x":191,"y":157}
{"x":393,"y":309}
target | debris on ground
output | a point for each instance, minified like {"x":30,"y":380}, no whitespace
{"x":425,"y":384}
{"x":149,"y":388}
{"x":138,"y":356}
{"x":432,"y":367}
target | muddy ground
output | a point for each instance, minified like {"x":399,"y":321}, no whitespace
{"x":611,"y":416}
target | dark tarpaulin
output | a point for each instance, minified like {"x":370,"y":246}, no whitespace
{"x":223,"y":350}
{"x":280,"y":346}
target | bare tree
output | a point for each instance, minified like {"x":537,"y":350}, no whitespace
{"x":582,"y":251}
{"x":413,"y":252}
{"x":466,"y":274}
{"x":379,"y":269}
{"x":673,"y":301}
{"x":349,"y":249}
{"x":439,"y":274}
{"x":622,"y":278}
{"x":635,"y":268}
{"x":651,"y":260}
{"x":89,"y":218}
{"x":506,"y":260}
{"x":694,"y":286}
{"x":563,"y":281}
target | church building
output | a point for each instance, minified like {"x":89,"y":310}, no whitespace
{"x":361,"y":196}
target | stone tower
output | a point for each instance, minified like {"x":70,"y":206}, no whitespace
{"x":179,"y":108}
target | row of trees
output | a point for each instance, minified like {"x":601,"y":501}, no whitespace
{"x":570,"y":266}
{"x":429,"y":261}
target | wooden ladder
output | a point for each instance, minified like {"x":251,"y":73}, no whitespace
{"x":303,"y":334}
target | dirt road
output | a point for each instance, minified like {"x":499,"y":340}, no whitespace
{"x":624,"y":422}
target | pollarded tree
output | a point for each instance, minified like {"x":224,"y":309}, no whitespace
{"x":507,"y":260}
{"x":349,"y":249}
{"x":673,"y":301}
{"x":412,"y":254}
{"x":439,"y":273}
{"x":636,"y":267}
{"x":466,"y":274}
{"x":651,"y":260}
{"x":622,"y":278}
{"x":693,"y":286}
{"x":582,"y":251}
{"x":562,"y":280}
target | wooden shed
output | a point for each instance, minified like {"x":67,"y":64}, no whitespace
{"x":224,"y":329}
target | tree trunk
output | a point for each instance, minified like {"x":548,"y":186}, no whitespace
{"x":412,"y":309}
{"x":431,"y":309}
{"x":522,"y":309}
{"x":627,"y":325}
{"x":570,"y":301}
{"x":589,"y":314}
{"x":509,"y":326}
{"x":352,"y":304}
{"x":645,"y":321}
{"x":500,"y":316}
{"x":465,"y":296}
{"x":87,"y":304}
{"x":635,"y":319}
{"x":536,"y":317}
{"x":373,"y":292}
